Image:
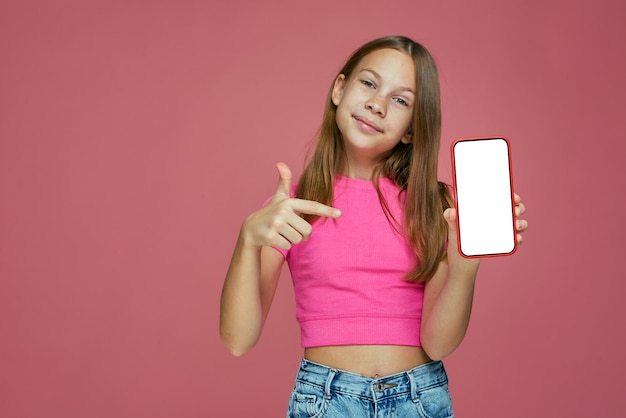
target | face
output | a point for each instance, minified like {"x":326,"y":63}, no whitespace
{"x":375,"y":108}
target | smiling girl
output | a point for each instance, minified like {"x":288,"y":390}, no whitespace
{"x":382,"y":294}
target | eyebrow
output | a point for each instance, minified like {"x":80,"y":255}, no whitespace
{"x":379,"y":77}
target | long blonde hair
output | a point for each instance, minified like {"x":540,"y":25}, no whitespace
{"x":413,"y":166}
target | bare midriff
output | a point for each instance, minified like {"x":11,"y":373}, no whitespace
{"x":368,"y":360}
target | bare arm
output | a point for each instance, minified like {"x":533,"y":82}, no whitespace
{"x":254,"y":270}
{"x":449,"y":294}
{"x":247,"y":295}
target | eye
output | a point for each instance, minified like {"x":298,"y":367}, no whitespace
{"x":401,"y":101}
{"x":367,"y":83}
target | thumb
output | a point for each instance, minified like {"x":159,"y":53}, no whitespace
{"x":284,"y":180}
{"x":450,"y":216}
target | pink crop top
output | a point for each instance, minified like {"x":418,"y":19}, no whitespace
{"x":349,"y":276}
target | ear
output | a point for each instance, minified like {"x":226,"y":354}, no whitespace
{"x":340,"y":83}
{"x":407,"y":138}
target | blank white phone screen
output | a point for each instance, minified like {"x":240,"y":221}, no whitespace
{"x":484,"y":197}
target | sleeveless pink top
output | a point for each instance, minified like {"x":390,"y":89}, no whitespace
{"x":349,"y":276}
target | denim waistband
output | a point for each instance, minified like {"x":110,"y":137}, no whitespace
{"x":333,"y":380}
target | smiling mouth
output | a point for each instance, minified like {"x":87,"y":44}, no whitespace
{"x":367,"y":124}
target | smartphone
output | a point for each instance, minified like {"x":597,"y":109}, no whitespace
{"x":483,"y":188}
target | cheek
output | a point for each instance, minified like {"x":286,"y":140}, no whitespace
{"x":404,"y":126}
{"x":404,"y":122}
{"x":341,"y":116}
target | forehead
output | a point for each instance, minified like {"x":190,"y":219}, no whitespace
{"x":392,"y":65}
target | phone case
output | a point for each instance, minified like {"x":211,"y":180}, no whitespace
{"x":482,"y":173}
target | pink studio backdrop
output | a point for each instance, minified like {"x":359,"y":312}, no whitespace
{"x":135,"y":136}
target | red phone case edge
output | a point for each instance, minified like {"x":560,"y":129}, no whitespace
{"x":508,"y":143}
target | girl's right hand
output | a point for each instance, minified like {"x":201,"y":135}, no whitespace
{"x":279,"y":223}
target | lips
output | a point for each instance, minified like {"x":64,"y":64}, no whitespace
{"x":366,"y":124}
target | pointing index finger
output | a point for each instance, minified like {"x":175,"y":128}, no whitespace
{"x":311,"y":207}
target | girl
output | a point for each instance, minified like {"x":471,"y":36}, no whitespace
{"x":382,"y":294}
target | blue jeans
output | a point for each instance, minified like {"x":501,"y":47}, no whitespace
{"x":322,"y":391}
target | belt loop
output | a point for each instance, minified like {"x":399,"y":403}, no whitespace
{"x":329,"y":379}
{"x":413,"y":385}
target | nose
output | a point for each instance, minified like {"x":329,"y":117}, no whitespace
{"x":376,"y":104}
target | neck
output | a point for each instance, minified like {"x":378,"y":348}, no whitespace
{"x":362,"y":169}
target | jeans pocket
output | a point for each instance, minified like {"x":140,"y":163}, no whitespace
{"x":434,"y":402}
{"x":306,"y":402}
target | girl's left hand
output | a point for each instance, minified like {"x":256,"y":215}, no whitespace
{"x":454,"y":257}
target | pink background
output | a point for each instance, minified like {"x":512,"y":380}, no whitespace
{"x":135,"y":136}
